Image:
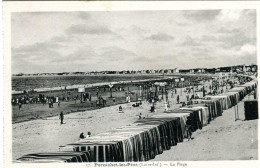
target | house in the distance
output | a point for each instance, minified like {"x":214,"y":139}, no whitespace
{"x":253,"y":68}
{"x":248,"y":68}
{"x":210,"y":70}
{"x":225,"y":69}
{"x":184,"y":70}
{"x":173,"y":71}
{"x":238,"y":68}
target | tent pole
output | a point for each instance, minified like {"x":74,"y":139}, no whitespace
{"x":237,"y":113}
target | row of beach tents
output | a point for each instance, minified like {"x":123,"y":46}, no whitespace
{"x":148,"y":137}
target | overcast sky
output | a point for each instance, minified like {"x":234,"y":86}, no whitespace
{"x":95,"y":41}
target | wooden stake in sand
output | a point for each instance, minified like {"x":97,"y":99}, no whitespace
{"x":235,"y":113}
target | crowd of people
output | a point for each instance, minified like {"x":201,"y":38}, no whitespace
{"x":20,"y":100}
{"x":42,"y":99}
{"x":152,"y":97}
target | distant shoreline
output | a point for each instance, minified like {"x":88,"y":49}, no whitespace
{"x":94,"y":75}
{"x":175,"y":74}
{"x":124,"y":80}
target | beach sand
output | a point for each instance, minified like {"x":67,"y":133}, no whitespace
{"x":222,"y":139}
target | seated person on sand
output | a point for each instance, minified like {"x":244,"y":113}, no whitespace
{"x":183,"y":104}
{"x":152,"y":109}
{"x":89,"y":134}
{"x":136,"y":104}
{"x":120,"y":109}
{"x":189,"y":102}
{"x":140,"y":116}
{"x":81,"y":136}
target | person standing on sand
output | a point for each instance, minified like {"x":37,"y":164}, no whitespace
{"x":188,"y":97}
{"x":61,"y":117}
{"x":165,"y":106}
{"x":49,"y":103}
{"x":44,"y":101}
{"x":188,"y":128}
{"x":178,"y":99}
{"x":20,"y":105}
{"x":75,"y":98}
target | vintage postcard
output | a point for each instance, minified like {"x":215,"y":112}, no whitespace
{"x":130,"y":84}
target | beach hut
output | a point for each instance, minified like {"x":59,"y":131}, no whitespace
{"x":251,"y":109}
{"x":55,"y":157}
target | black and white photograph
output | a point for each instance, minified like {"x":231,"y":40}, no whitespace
{"x":134,"y":86}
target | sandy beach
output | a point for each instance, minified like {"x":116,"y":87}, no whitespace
{"x":47,"y":134}
{"x":74,"y":75}
{"x":222,"y":139}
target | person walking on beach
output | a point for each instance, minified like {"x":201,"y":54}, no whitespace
{"x":61,"y":117}
{"x":178,"y":99}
